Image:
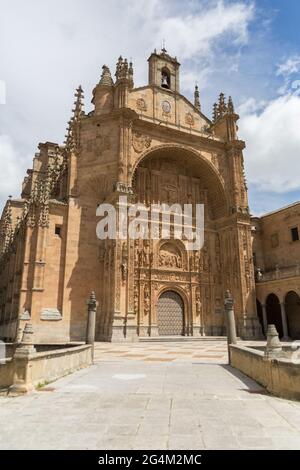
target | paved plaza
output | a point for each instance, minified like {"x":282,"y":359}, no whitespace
{"x":171,"y":395}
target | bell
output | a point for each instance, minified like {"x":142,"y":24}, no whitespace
{"x":164,"y":81}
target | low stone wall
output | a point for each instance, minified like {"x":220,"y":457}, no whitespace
{"x":279,"y":376}
{"x":25,"y":371}
{"x":6,"y":373}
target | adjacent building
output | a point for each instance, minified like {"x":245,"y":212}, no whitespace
{"x":276,"y":248}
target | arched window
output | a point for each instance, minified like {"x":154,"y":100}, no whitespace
{"x":165,"y":78}
{"x":274,"y":313}
{"x":292,"y":308}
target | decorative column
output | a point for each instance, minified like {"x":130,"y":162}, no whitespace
{"x":284,"y":322}
{"x":91,"y":322}
{"x":230,"y":321}
{"x":265,"y":319}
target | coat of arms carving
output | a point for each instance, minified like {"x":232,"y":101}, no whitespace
{"x":140,"y":141}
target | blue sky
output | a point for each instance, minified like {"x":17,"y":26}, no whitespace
{"x":248,"y":49}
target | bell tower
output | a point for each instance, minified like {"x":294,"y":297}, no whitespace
{"x":164,"y":70}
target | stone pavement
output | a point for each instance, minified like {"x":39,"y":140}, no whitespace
{"x":152,"y":396}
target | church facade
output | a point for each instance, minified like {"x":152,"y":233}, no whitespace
{"x":152,"y":145}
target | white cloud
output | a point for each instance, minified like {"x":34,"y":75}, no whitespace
{"x":273,"y":142}
{"x":289,"y":67}
{"x":250,"y":105}
{"x":194,"y":34}
{"x":289,"y":70}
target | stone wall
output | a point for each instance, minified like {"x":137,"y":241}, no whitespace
{"x":280,"y":376}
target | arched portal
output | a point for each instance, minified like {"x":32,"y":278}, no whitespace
{"x":174,"y":175}
{"x":274,"y":313}
{"x":292,"y":308}
{"x":177,"y":174}
{"x":170,"y":314}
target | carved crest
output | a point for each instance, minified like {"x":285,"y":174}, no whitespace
{"x":141,"y":104}
{"x":189,"y":119}
{"x":140,"y":141}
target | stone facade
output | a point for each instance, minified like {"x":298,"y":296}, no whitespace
{"x":153,"y":145}
{"x":276,"y":248}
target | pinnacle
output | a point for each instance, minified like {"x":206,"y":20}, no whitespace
{"x":106,"y":78}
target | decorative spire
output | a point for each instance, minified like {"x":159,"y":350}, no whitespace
{"x":124,"y":71}
{"x":106,"y":78}
{"x":222,"y":108}
{"x":215,"y":112}
{"x":7,"y":231}
{"x":130,"y":70}
{"x":119,"y":67}
{"x":78,"y":110}
{"x":72,"y":136}
{"x":197,"y":98}
{"x":230,"y":106}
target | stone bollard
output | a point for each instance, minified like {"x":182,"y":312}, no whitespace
{"x":230,"y":321}
{"x":91,"y":322}
{"x":273,"y":346}
{"x":25,"y":351}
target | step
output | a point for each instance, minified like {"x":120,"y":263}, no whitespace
{"x":177,"y":339}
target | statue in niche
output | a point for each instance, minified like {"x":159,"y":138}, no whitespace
{"x":146,"y":299}
{"x":198,"y":302}
{"x":145,"y":255}
{"x":124,"y":270}
{"x":197,"y":260}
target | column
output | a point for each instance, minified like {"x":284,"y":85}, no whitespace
{"x":284,"y":322}
{"x":265,"y":320}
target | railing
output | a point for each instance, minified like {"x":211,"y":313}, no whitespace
{"x":277,"y":273}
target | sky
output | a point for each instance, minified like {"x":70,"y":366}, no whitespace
{"x":249,"y":49}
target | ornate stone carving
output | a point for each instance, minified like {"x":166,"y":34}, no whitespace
{"x":166,"y":107}
{"x":189,"y":119}
{"x":50,"y":314}
{"x":141,"y":104}
{"x":146,"y":299}
{"x":169,"y":257}
{"x":140,"y":142}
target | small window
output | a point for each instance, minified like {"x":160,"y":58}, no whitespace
{"x":58,"y":230}
{"x":274,"y":240}
{"x":295,"y":234}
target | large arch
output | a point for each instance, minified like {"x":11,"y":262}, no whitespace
{"x":195,"y":164}
{"x":274,"y":313}
{"x":292,"y":308}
